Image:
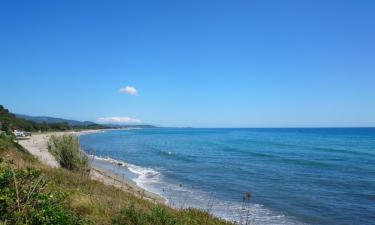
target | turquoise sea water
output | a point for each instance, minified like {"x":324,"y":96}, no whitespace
{"x":296,"y":176}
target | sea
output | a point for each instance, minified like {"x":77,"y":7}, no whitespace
{"x":257,"y":176}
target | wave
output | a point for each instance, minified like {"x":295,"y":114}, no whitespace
{"x":181,"y":196}
{"x":87,"y":132}
{"x":142,"y":172}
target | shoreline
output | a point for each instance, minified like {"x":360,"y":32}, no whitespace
{"x":37,"y":146}
{"x":110,"y":178}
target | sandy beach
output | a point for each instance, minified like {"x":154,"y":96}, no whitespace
{"x":37,"y":146}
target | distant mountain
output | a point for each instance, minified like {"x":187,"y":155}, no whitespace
{"x":47,"y":119}
{"x":74,"y":123}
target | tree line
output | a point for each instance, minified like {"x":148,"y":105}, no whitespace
{"x":9,"y":122}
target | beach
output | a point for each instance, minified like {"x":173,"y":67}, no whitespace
{"x":37,"y":145}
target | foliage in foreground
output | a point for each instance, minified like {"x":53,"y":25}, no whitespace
{"x":67,"y":151}
{"x":5,"y":141}
{"x":22,"y":200}
{"x":159,"y":215}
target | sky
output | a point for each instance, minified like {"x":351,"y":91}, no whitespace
{"x":192,"y":63}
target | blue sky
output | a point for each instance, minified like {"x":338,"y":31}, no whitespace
{"x":193,"y":63}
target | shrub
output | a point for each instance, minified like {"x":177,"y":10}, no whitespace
{"x":66,"y":150}
{"x":160,"y":215}
{"x":131,"y":216}
{"x":22,"y":200}
{"x":5,"y":141}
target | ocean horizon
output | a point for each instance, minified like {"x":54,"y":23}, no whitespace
{"x":294,"y":175}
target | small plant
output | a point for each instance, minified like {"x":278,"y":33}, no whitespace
{"x":158,"y":215}
{"x":245,"y":214}
{"x":66,"y":150}
{"x":5,"y":141}
{"x":23,"y":201}
{"x":131,"y":216}
{"x":161,"y":215}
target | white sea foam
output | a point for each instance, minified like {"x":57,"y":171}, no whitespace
{"x":179,"y":196}
{"x":184,"y":197}
{"x":86,"y":132}
{"x":144,"y":174}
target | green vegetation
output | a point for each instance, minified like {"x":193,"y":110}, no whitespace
{"x":9,"y":122}
{"x":159,"y":215}
{"x":32,"y":193}
{"x":67,"y":151}
{"x":23,"y":195}
{"x":5,"y":141}
{"x":23,"y":202}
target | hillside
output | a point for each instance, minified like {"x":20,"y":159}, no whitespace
{"x":48,"y":119}
{"x":76,"y":123}
{"x":9,"y":122}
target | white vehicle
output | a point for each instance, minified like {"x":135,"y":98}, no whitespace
{"x":18,"y":133}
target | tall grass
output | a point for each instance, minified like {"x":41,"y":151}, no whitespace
{"x":23,"y":199}
{"x":67,"y":151}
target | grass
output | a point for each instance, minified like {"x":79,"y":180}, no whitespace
{"x":85,"y":201}
{"x":23,"y":195}
{"x":67,"y":151}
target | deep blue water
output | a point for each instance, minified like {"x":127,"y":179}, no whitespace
{"x":296,"y":176}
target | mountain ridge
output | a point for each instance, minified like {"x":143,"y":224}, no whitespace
{"x":49,"y":119}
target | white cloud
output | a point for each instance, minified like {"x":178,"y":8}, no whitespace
{"x":117,"y":119}
{"x":129,"y":90}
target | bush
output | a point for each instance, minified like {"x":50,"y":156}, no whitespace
{"x":66,"y":150}
{"x":131,"y":216}
{"x":22,"y":200}
{"x":5,"y":141}
{"x":134,"y":216}
{"x":160,"y":215}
